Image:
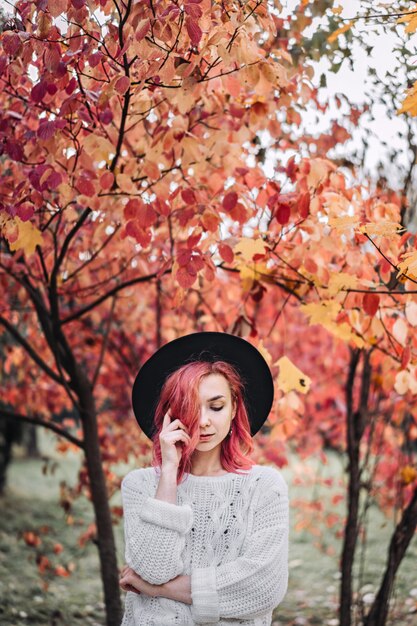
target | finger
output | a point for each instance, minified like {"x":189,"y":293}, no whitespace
{"x":177,"y":424}
{"x":178,"y":435}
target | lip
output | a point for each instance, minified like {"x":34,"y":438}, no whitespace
{"x":204,"y":437}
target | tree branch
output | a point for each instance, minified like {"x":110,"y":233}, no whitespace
{"x":40,"y":422}
{"x":92,"y":305}
{"x":31,"y":351}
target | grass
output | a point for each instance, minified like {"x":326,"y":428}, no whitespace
{"x":32,"y":502}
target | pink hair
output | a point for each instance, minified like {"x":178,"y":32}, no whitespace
{"x":180,"y":394}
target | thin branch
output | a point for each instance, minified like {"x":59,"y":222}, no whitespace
{"x":104,"y":343}
{"x":92,"y":305}
{"x":40,"y":422}
{"x":31,"y":351}
{"x":375,"y":15}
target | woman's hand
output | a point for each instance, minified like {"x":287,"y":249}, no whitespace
{"x":171,"y":438}
{"x":131,"y":581}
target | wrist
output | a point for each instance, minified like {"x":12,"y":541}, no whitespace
{"x":163,"y":591}
{"x":169,"y":470}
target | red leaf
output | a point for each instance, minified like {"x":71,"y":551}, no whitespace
{"x":142,"y":237}
{"x":106,"y":180}
{"x":193,"y":240}
{"x":143,"y":29}
{"x":86,"y":187}
{"x":106,"y":116}
{"x":25,"y":211}
{"x":283,"y":214}
{"x":38,"y":92}
{"x":184,"y":278}
{"x":46,"y":130}
{"x":131,"y":208}
{"x":122,"y":84}
{"x":230,"y":201}
{"x":184,"y":256}
{"x":146,"y":216}
{"x":11,"y":43}
{"x":94,"y":59}
{"x":194,"y":31}
{"x":405,"y":357}
{"x":304,"y":204}
{"x":54,"y":180}
{"x":291,"y":169}
{"x":15,"y":150}
{"x":196,"y":263}
{"x":239,"y":213}
{"x":188,"y":196}
{"x":370,"y":302}
{"x":226,"y":252}
{"x":193,"y":10}
{"x":52,"y":59}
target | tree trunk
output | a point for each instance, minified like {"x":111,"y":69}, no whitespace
{"x":403,"y":534}
{"x":350,"y":535}
{"x":32,"y":449}
{"x":355,"y":425}
{"x":105,"y":535}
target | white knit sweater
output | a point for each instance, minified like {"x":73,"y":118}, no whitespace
{"x":229,"y":533}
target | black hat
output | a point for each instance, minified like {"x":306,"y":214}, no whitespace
{"x":204,"y":346}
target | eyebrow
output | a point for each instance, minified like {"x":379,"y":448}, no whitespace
{"x":214,"y":398}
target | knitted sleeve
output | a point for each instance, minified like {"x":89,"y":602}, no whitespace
{"x":154,"y":530}
{"x":255,"y":582}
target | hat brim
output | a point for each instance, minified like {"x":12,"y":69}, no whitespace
{"x":204,"y":346}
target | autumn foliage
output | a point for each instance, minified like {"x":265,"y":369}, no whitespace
{"x":136,"y":207}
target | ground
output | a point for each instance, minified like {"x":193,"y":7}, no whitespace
{"x":32,"y":502}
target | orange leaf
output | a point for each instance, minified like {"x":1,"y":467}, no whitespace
{"x":61,"y":571}
{"x":31,"y":538}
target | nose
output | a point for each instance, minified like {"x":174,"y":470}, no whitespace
{"x":204,"y":418}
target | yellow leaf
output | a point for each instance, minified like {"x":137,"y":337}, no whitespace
{"x":331,"y":38}
{"x":343,"y":331}
{"x":249,"y":247}
{"x":290,"y":377}
{"x":337,"y":10}
{"x":29,"y":237}
{"x":411,"y":18}
{"x":408,"y":265}
{"x":408,"y":474}
{"x":99,"y":148}
{"x":265,"y":353}
{"x":321,"y":312}
{"x":409,"y":105}
{"x":384,"y":228}
{"x":341,"y":280}
{"x":343,"y":222}
{"x":251,"y":273}
{"x":324,"y":313}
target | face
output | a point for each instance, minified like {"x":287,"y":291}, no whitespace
{"x":216,"y":410}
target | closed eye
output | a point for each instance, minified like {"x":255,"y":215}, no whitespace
{"x":216,"y":408}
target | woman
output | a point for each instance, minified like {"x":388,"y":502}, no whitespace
{"x":206,"y":529}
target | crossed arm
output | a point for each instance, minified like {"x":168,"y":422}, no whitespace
{"x":178,"y":588}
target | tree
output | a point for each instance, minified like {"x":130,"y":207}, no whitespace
{"x":135,"y":207}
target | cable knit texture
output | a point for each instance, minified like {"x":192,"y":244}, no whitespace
{"x":229,"y":533}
